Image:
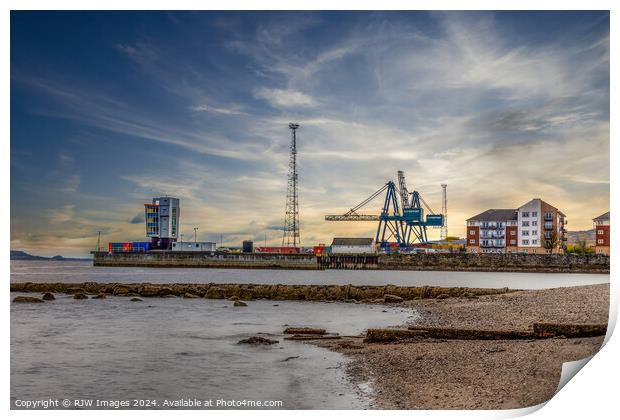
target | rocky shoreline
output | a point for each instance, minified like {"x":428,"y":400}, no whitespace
{"x":342,"y":293}
{"x":470,"y":349}
{"x":430,"y":373}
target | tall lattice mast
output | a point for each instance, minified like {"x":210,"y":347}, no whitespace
{"x":291,"y":215}
{"x":444,"y":211}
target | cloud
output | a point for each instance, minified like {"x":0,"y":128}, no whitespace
{"x":63,"y":215}
{"x":469,"y":99}
{"x":285,"y":98}
{"x":218,"y":110}
{"x":137,"y":219}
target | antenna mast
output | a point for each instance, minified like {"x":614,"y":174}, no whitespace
{"x":291,"y":215}
{"x":444,"y":211}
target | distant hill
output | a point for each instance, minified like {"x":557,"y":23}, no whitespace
{"x":24,"y":256}
{"x":575,"y":236}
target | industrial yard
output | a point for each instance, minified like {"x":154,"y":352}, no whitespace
{"x":496,"y":240}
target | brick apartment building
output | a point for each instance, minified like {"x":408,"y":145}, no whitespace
{"x":535,"y":228}
{"x":601,"y":225}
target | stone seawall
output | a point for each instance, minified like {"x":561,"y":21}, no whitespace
{"x":556,"y":263}
{"x":387,"y":293}
{"x":205,"y":260}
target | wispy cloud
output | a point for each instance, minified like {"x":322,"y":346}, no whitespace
{"x":477,"y":100}
{"x":285,"y":98}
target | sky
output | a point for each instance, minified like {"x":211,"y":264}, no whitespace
{"x":110,"y":109}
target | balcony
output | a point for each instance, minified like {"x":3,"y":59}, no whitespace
{"x":495,"y":236}
{"x":492,"y":245}
{"x":548,"y":217}
{"x":492,"y":226}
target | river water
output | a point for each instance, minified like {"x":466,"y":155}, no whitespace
{"x":82,"y":271}
{"x":170,"y":349}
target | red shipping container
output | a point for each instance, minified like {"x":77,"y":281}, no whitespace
{"x":319,"y":250}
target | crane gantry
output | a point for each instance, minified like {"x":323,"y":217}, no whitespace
{"x":401,"y":219}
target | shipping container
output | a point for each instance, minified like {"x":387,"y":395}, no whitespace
{"x":319,"y":250}
{"x":278,"y":250}
{"x":248,"y":246}
{"x":141,"y":246}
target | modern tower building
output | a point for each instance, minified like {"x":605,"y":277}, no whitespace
{"x":162,"y":218}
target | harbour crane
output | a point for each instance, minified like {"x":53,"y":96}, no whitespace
{"x":402,"y":217}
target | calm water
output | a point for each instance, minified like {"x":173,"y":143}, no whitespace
{"x":187,"y":348}
{"x":184,"y":348}
{"x":81,"y":271}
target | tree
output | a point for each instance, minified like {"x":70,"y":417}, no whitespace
{"x":551,"y":240}
{"x":581,"y":247}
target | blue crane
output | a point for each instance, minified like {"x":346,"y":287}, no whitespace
{"x":401,"y":219}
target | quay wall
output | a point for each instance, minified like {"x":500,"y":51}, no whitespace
{"x":548,"y":263}
{"x":555,"y":263}
{"x":190,"y":259}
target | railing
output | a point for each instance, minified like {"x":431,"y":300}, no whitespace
{"x":493,"y":245}
{"x":492,"y":236}
{"x":491,"y":226}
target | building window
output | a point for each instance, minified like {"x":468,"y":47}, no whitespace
{"x":472,"y":232}
{"x":513,"y":242}
{"x":534,"y":232}
{"x":525,"y":214}
{"x":600,"y":232}
{"x":534,"y":214}
{"x":600,"y":241}
{"x":472,"y":241}
{"x":534,"y":223}
{"x":525,"y":233}
{"x":513,"y":232}
{"x":525,"y":223}
{"x":534,"y":241}
{"x":525,"y":242}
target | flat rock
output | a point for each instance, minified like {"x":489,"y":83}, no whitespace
{"x":239,"y":303}
{"x":304,"y":330}
{"x":99,"y":296}
{"x":80,"y":296}
{"x":27,"y":299}
{"x":258,"y":340}
{"x":190,"y":296}
{"x":392,"y":299}
{"x":48,"y":296}
{"x":135,"y":299}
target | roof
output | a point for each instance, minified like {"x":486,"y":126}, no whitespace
{"x":604,"y":216}
{"x":352,"y":241}
{"x":496,"y":215}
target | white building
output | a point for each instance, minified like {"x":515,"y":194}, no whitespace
{"x":353,"y":246}
{"x":541,"y":228}
{"x":194,"y":246}
{"x":163,"y":218}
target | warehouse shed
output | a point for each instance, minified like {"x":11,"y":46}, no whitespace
{"x":353,"y":246}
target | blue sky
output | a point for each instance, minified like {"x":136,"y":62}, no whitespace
{"x":111,"y":108}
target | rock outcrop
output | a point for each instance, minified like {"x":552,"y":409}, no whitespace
{"x":258,"y":340}
{"x":27,"y":299}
